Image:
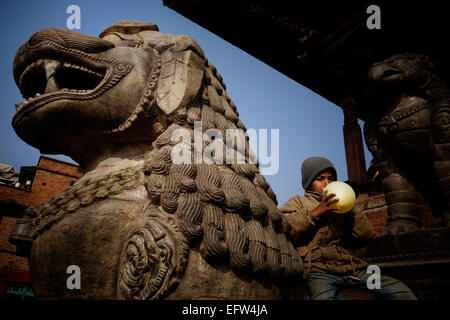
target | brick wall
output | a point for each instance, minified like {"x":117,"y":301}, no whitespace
{"x":13,"y":195}
{"x":11,"y":261}
{"x":46,"y":185}
{"x":6,"y":226}
{"x":60,"y":167}
{"x":52,"y":177}
{"x":375,"y":208}
{"x":8,"y":257}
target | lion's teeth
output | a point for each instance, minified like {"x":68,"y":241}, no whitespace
{"x":51,"y":66}
{"x":52,"y":85}
{"x":95,"y":73}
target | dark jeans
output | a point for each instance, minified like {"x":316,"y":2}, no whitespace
{"x":322,"y":286}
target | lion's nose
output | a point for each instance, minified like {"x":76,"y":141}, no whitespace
{"x":375,"y":73}
{"x":70,"y":39}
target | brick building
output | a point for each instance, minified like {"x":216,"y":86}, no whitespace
{"x":35,"y":186}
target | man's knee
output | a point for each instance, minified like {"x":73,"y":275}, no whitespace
{"x":322,"y":294}
{"x":393,"y":289}
{"x":321,"y":287}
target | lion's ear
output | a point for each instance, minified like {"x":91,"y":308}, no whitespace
{"x":129,"y":27}
{"x":180,"y":79}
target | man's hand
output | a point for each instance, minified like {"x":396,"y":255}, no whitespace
{"x":325,"y":204}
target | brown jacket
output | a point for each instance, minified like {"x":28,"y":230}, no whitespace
{"x":321,"y":241}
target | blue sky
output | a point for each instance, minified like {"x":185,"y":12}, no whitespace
{"x":308,"y":124}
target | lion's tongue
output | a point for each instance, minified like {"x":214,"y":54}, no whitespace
{"x":51,"y":66}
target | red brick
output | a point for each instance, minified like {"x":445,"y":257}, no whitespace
{"x":6,"y":226}
{"x":13,"y":195}
{"x":52,"y":177}
{"x":46,"y":185}
{"x":9,"y":260}
{"x":60,"y":167}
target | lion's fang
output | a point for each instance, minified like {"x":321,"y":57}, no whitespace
{"x":51,"y":66}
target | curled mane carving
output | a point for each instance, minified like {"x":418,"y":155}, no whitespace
{"x":229,"y":209}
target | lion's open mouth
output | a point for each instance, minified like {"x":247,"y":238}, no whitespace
{"x":45,"y":76}
{"x":56,"y":66}
{"x":391,"y":74}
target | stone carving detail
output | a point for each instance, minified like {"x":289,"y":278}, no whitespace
{"x":84,"y":195}
{"x":408,"y":134}
{"x":152,"y":261}
{"x":151,"y":222}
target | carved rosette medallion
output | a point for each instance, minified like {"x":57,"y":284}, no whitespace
{"x":152,"y":261}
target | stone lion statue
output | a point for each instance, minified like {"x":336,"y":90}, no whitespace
{"x":408,"y":133}
{"x":138,"y":225}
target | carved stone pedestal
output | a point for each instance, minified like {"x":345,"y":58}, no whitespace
{"x":421,"y":259}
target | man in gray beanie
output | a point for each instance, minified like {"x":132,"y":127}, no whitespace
{"x":311,"y":168}
{"x":322,"y":235}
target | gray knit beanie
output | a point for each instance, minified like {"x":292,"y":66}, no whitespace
{"x":311,"y":168}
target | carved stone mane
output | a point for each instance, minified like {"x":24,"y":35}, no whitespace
{"x":170,"y":218}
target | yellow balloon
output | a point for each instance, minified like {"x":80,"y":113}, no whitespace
{"x":344,"y":193}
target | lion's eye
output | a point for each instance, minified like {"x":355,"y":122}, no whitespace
{"x":134,"y":44}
